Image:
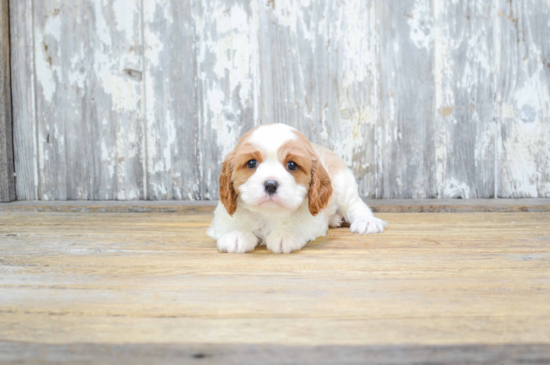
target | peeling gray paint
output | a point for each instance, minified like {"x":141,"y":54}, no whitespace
{"x":120,"y":99}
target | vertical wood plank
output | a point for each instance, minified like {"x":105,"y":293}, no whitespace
{"x":23,"y":99}
{"x":319,"y":73}
{"x":171,"y":100}
{"x":406,"y":131}
{"x":465,"y":120}
{"x":88,"y":74}
{"x":227,"y":77}
{"x":7,"y":183}
{"x":523,"y":96}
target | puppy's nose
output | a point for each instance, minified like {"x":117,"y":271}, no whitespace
{"x":271,"y":186}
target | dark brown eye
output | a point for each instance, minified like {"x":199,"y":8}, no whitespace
{"x":252,"y":164}
{"x":292,"y":166}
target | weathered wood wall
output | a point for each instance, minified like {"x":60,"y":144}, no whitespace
{"x":121,"y":99}
{"x":7,"y":180}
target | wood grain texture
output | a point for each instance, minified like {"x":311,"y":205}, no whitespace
{"x":465,"y":118}
{"x":7,"y":182}
{"x":227,"y":78}
{"x":422,"y":99}
{"x":202,"y":207}
{"x":236,"y":354}
{"x":88,"y":97}
{"x":25,"y":126}
{"x":523,"y":95}
{"x":429,"y":282}
{"x":405,"y":136}
{"x":171,"y":106}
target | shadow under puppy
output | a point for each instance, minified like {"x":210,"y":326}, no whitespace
{"x":278,"y":189}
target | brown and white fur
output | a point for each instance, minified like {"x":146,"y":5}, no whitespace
{"x":315,"y":192}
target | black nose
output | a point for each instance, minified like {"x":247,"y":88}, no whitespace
{"x":271,"y":186}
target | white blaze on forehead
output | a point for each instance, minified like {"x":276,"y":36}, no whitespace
{"x":269,"y":138}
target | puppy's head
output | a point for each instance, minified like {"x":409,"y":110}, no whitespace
{"x":273,"y":169}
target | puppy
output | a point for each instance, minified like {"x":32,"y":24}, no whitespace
{"x":278,"y":189}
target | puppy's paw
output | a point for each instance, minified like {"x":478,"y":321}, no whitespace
{"x":367,"y":224}
{"x":284,"y":243}
{"x":237,"y":242}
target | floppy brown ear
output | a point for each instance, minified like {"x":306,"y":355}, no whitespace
{"x":320,"y":189}
{"x":228,"y":196}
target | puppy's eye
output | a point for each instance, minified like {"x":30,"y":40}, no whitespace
{"x":292,"y":166}
{"x":252,"y":164}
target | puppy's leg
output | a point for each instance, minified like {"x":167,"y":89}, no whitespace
{"x":293,"y":234}
{"x":232,"y":234}
{"x":352,"y":207}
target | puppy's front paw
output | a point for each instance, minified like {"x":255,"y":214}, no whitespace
{"x":237,"y":242}
{"x":284,"y":243}
{"x":367,"y":224}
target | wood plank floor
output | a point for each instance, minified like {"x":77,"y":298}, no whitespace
{"x":139,"y":287}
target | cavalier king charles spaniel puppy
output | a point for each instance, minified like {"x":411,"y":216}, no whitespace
{"x":278,"y":189}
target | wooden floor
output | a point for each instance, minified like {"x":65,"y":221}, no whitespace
{"x":151,"y":287}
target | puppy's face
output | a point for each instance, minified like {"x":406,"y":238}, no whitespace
{"x":274,"y":169}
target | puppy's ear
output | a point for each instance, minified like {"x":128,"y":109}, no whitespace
{"x":228,"y":196}
{"x":320,"y":189}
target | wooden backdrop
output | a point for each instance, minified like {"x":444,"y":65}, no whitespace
{"x":122,"y":99}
